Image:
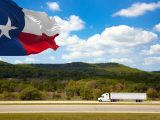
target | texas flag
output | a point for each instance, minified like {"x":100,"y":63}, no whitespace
{"x":25,"y":32}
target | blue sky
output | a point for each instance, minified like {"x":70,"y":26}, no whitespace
{"x":98,"y":31}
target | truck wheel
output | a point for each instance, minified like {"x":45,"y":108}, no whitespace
{"x":138,"y":100}
{"x":113,"y":100}
{"x":100,"y":100}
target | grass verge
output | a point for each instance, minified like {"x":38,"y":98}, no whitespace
{"x":80,"y":116}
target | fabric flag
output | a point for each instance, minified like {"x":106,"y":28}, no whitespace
{"x":25,"y":32}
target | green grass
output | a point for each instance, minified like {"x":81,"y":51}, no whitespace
{"x":80,"y":116}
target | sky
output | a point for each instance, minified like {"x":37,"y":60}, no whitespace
{"x":100,"y":31}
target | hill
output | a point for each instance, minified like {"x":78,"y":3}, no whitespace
{"x":73,"y":80}
{"x":75,"y":71}
{"x":87,"y":66}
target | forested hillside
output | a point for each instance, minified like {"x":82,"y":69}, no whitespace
{"x":73,"y":80}
{"x":74,"y":71}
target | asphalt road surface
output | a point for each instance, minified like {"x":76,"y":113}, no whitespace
{"x":76,"y":102}
{"x":80,"y":108}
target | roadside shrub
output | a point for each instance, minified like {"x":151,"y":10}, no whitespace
{"x":56,"y":95}
{"x":30,"y":93}
{"x":1,"y":96}
{"x":9,"y":96}
{"x":68,"y":97}
{"x":152,"y":93}
{"x":96,"y":93}
{"x":86,"y":94}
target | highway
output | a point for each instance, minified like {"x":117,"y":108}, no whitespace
{"x":78,"y":102}
{"x":79,"y":108}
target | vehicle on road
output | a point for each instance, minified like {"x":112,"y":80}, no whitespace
{"x":114,"y":97}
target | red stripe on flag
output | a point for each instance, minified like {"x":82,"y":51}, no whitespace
{"x":37,"y":43}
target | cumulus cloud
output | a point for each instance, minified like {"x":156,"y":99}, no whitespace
{"x":121,"y":60}
{"x":97,"y":60}
{"x":52,"y":58}
{"x":65,"y":39}
{"x":73,"y":23}
{"x":120,"y":51}
{"x":137,"y":9}
{"x":154,"y":49}
{"x":157,"y":27}
{"x":26,"y":60}
{"x":113,"y":40}
{"x":126,"y":36}
{"x":75,"y":55}
{"x":53,"y":6}
{"x":18,"y":62}
{"x":117,"y":36}
{"x":29,"y":60}
{"x":151,"y":60}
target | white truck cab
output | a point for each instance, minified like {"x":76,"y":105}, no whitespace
{"x":104,"y":97}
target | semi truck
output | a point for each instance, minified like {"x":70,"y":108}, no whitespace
{"x":114,"y":97}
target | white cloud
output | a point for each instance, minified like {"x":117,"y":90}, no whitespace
{"x":120,"y":51}
{"x":154,"y":49}
{"x":114,"y":40}
{"x":151,"y":60}
{"x":121,"y":60}
{"x":52,"y":58}
{"x":26,"y":60}
{"x":157,"y":27}
{"x":66,"y":39}
{"x":138,"y":9}
{"x":99,"y":60}
{"x":73,"y":23}
{"x":29,"y":60}
{"x":68,"y":25}
{"x":83,"y":48}
{"x":126,"y":36}
{"x":75,"y":55}
{"x":53,"y":6}
{"x":18,"y":62}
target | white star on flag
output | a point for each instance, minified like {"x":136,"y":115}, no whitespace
{"x":6,"y":28}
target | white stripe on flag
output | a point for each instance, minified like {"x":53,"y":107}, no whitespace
{"x":39,"y":22}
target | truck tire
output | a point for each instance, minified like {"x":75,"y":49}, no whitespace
{"x":113,"y":100}
{"x":139,"y":100}
{"x":100,"y":100}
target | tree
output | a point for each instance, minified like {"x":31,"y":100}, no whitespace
{"x":96,"y":93}
{"x":86,"y":94}
{"x":92,"y":84}
{"x":9,"y":96}
{"x":30,"y":93}
{"x":152,"y":93}
{"x":139,"y":87}
{"x":118,"y":87}
{"x":7,"y":86}
{"x":56,"y":95}
{"x":73,"y":88}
